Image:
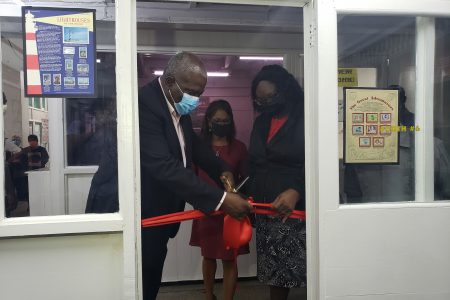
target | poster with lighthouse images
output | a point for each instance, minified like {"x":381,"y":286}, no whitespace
{"x":59,"y":52}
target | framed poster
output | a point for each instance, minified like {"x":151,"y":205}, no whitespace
{"x":370,"y":122}
{"x":59,"y":52}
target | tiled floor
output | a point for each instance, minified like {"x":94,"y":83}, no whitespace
{"x":246,"y":290}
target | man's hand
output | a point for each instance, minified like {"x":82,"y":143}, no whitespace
{"x":236,"y":206}
{"x":284,"y":204}
{"x":228,"y":181}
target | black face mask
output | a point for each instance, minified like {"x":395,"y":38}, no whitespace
{"x":221,"y":129}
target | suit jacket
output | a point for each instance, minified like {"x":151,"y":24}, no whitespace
{"x":165,"y":183}
{"x":280,"y":164}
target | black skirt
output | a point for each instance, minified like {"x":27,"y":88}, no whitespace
{"x":281,"y":249}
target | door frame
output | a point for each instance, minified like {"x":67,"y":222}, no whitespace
{"x":126,"y":78}
{"x":321,"y":117}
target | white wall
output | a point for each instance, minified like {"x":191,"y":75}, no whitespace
{"x":87,"y":267}
{"x":405,"y":254}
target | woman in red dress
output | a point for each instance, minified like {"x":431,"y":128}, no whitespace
{"x":218,"y":130}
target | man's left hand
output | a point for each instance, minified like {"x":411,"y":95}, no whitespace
{"x":285,"y":203}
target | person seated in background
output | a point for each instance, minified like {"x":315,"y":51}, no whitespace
{"x":394,"y":183}
{"x":30,"y":158}
{"x":218,"y":131}
{"x":34,"y":156}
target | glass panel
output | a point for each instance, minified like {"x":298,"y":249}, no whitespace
{"x":91,"y":123}
{"x":234,"y":42}
{"x":37,"y":130}
{"x":442,"y":111}
{"x":37,"y":102}
{"x":73,"y":132}
{"x":380,"y":51}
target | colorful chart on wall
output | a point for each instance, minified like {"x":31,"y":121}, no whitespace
{"x":370,"y":119}
{"x":59,"y":52}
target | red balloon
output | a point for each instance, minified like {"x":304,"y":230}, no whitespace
{"x":236,"y":233}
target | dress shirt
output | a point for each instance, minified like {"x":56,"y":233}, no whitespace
{"x":176,"y":123}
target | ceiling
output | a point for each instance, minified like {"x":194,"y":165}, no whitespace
{"x":184,"y":13}
{"x":356,"y":32}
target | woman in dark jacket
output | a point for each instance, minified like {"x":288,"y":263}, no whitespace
{"x":277,"y":162}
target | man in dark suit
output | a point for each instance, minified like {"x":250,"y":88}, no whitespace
{"x":169,"y":147}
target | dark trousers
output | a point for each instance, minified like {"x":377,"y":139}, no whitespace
{"x":154,"y":250}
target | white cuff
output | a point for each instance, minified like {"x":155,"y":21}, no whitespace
{"x":221,"y":201}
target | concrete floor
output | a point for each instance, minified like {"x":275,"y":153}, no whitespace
{"x":245,"y":290}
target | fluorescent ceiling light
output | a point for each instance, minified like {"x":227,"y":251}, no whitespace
{"x":218,"y":74}
{"x":210,"y":74}
{"x":279,"y":58}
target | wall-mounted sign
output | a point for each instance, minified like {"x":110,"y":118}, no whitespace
{"x":347,"y":77}
{"x":59,"y":52}
{"x":370,"y":115}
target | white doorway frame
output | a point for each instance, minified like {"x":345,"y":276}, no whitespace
{"x":321,"y":117}
{"x":126,"y":30}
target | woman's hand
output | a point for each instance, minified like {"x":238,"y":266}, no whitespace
{"x":285,"y":203}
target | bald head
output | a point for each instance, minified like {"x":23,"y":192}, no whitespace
{"x":185,"y":73}
{"x":185,"y":64}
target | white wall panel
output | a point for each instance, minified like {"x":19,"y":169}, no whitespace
{"x":394,"y":251}
{"x":77,"y":191}
{"x":85,"y":267}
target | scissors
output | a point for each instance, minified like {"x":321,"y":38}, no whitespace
{"x":240,"y":185}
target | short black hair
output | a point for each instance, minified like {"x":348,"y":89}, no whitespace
{"x":33,"y":137}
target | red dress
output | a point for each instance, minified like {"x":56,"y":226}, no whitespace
{"x":207,"y":232}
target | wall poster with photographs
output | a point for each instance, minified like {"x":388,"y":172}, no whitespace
{"x":60,"y":52}
{"x":370,"y":122}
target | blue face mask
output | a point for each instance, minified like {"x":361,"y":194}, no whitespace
{"x":187,"y":104}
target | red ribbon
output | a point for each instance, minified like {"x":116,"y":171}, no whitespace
{"x":235,"y":233}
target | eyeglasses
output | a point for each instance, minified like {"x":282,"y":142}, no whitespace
{"x":266,"y":101}
{"x":221,"y":121}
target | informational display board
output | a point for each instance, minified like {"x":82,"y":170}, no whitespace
{"x":370,"y":123}
{"x":59,"y":52}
